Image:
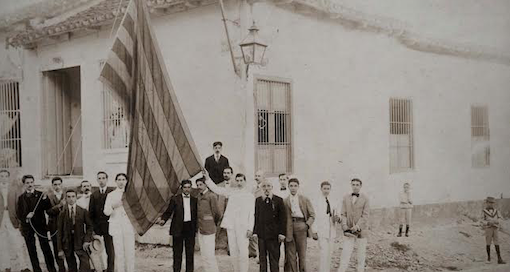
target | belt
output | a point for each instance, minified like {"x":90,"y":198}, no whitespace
{"x":298,"y":219}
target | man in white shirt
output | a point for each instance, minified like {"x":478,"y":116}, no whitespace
{"x":300,"y":217}
{"x":324,"y":226}
{"x":183,"y":209}
{"x":13,"y":255}
{"x":58,"y":202}
{"x":281,"y":189}
{"x":238,"y":218}
{"x":84,"y":200}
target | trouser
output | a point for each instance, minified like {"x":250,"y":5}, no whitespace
{"x":405,"y":216}
{"x":348,"y":246}
{"x":60,"y":261}
{"x":491,"y":235}
{"x":296,"y":248}
{"x":271,"y":248}
{"x":110,"y":252}
{"x":186,"y":240}
{"x":325,"y":249}
{"x":13,"y":254}
{"x":71,"y":258}
{"x":207,"y":247}
{"x":238,"y":245}
{"x":29,"y":236}
{"x":124,"y":243}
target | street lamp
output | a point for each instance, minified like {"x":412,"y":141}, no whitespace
{"x":252,"y":47}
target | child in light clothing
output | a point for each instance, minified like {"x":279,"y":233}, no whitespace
{"x":405,"y":209}
{"x":490,"y":222}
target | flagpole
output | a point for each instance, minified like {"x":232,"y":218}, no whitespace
{"x":228,"y":37}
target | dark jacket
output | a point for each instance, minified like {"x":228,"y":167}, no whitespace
{"x":209,"y":214}
{"x":82,"y":229}
{"x":56,"y":207}
{"x":215,"y":169}
{"x":175,"y":211}
{"x":270,"y":219}
{"x":26,"y":204}
{"x":96,"y":207}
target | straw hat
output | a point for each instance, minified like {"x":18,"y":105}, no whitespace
{"x":490,"y":199}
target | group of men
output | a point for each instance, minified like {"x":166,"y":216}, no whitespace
{"x":71,"y":223}
{"x":266,"y":218}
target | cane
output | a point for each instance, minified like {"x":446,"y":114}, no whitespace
{"x":32,"y":225}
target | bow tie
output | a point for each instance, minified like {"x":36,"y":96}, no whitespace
{"x":354,"y":194}
{"x":283,"y":189}
{"x":185,"y":196}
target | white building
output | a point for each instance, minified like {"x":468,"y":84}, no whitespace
{"x":387,"y":91}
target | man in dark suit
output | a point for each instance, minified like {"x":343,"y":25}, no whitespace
{"x":99,"y":219}
{"x":57,"y":200}
{"x":30,"y":211}
{"x":183,"y":209}
{"x":74,"y":234}
{"x":216,"y":163}
{"x":270,"y":224}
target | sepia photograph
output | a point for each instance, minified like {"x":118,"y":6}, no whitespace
{"x":254,"y":135}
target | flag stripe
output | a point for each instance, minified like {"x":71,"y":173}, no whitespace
{"x":162,"y":122}
{"x":183,"y":145}
{"x":115,"y":82}
{"x":129,"y":25}
{"x":122,"y":53}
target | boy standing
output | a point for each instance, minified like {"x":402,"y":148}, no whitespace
{"x":490,"y":221}
{"x":405,"y":209}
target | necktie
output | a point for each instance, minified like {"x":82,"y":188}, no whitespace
{"x":73,"y":218}
{"x":328,"y":209}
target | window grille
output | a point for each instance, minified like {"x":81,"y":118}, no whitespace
{"x":480,"y":137}
{"x":401,"y":135}
{"x":273,"y":126}
{"x":115,"y":121}
{"x":10,"y":125}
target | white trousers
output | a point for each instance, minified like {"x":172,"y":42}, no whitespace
{"x":124,"y":245}
{"x":325,"y":249}
{"x":13,"y":251}
{"x":348,"y":246}
{"x":238,"y":245}
{"x":207,"y":246}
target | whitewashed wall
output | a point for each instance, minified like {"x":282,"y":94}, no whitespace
{"x":343,"y":79}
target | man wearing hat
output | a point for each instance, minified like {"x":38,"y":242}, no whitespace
{"x":490,"y":222}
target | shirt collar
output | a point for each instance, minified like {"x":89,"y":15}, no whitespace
{"x":205,"y":191}
{"x":30,"y":192}
{"x":102,"y":190}
{"x":184,"y":196}
{"x":270,"y":196}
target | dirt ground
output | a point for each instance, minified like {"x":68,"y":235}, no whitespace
{"x":454,"y":246}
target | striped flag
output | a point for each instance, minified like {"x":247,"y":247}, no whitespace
{"x":161,"y":150}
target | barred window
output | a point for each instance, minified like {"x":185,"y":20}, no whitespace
{"x":115,"y":121}
{"x":401,"y":135}
{"x":10,"y":126}
{"x":480,"y":145}
{"x":273,"y":126}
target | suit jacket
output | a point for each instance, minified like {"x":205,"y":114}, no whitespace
{"x":175,"y":211}
{"x":26,"y":204}
{"x":324,"y":225}
{"x":15,"y":190}
{"x":215,"y":169}
{"x":306,"y":209}
{"x":96,"y":208}
{"x":82,"y":229}
{"x":355,"y":214}
{"x":56,"y":207}
{"x":269,"y":223}
{"x":208,"y":212}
